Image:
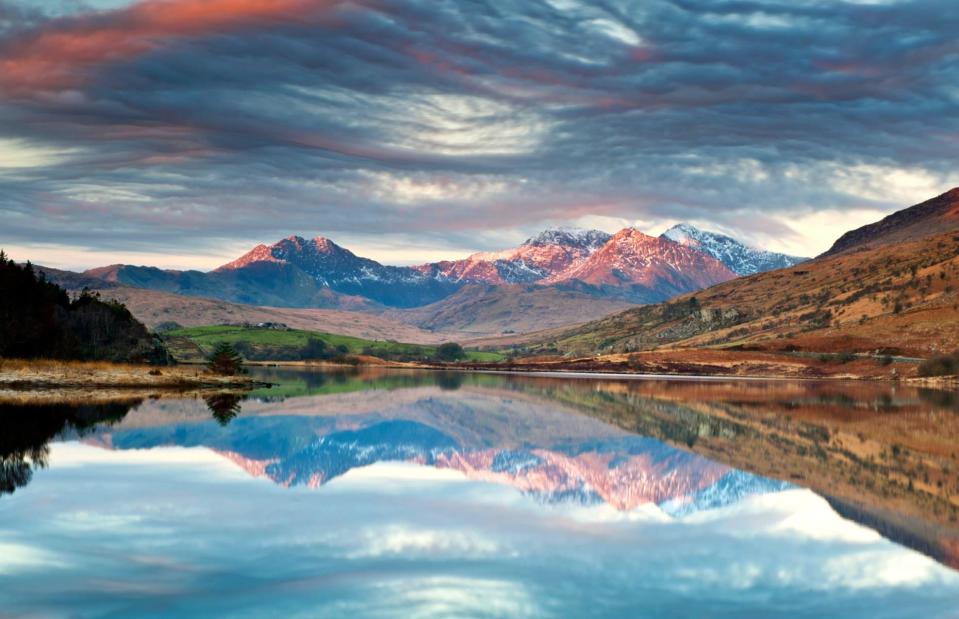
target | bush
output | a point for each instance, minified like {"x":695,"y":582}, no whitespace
{"x":942,"y":365}
{"x":225,"y":360}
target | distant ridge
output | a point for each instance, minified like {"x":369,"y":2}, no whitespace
{"x":939,"y":214}
{"x":629,"y":267}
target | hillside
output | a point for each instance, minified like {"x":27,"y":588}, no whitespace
{"x":479,"y":310}
{"x":901,"y":299}
{"x":916,"y":222}
{"x":156,"y":308}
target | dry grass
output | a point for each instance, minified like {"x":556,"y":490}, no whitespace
{"x":48,"y":373}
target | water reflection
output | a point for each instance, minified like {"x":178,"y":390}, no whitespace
{"x":385,"y":493}
{"x":224,"y":406}
{"x":25,"y":433}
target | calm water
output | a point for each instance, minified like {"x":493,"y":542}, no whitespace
{"x":403,"y":494}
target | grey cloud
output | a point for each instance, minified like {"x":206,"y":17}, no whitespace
{"x":489,"y":115}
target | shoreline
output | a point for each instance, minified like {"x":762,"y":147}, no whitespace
{"x":27,"y":375}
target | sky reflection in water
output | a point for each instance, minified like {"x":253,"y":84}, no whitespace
{"x":504,"y":505}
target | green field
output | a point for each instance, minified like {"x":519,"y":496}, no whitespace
{"x":195,"y":343}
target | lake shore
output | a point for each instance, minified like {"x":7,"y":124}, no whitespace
{"x":16,"y":375}
{"x":712,"y":363}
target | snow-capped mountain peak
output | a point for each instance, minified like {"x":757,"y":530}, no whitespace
{"x":569,"y":237}
{"x":739,"y":258}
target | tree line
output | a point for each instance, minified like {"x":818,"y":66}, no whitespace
{"x":38,"y":319}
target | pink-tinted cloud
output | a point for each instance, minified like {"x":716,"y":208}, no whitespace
{"x":62,"y":54}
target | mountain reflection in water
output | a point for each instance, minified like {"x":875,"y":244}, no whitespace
{"x":402,"y":493}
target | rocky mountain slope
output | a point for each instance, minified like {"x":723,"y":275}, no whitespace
{"x":738,"y":258}
{"x":933,"y":216}
{"x":646,"y":269}
{"x":543,"y":256}
{"x":332,"y":267}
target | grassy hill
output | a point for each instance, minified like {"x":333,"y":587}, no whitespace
{"x":267,"y":344}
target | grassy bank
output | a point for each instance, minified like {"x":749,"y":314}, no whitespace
{"x":254,"y":343}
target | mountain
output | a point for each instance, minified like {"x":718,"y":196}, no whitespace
{"x":331,"y":266}
{"x":646,"y":269}
{"x":737,"y":257}
{"x":900,"y":297}
{"x":938,"y":214}
{"x":540,"y":257}
{"x":578,"y":265}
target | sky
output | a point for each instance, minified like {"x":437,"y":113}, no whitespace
{"x":181,"y":133}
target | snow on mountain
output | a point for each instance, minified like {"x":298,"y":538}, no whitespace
{"x":539,"y":258}
{"x":589,"y":240}
{"x":739,"y":258}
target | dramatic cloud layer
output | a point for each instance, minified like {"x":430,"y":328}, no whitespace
{"x":197,"y":128}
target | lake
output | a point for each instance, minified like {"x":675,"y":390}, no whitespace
{"x":389,"y":493}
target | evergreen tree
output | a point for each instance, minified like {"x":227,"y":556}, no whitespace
{"x":225,"y":360}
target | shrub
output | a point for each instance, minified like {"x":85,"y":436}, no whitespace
{"x":942,"y":365}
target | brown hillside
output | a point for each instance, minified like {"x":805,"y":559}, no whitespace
{"x":481,"y":311}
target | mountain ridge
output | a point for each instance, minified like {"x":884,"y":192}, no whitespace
{"x":736,"y":256}
{"x":629,"y":266}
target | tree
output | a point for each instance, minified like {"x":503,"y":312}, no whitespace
{"x":315,"y":349}
{"x":225,"y":360}
{"x":449,"y":351}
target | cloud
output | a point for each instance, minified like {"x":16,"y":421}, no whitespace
{"x":168,"y":125}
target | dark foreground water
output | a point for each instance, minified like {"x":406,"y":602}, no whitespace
{"x":400,"y":494}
